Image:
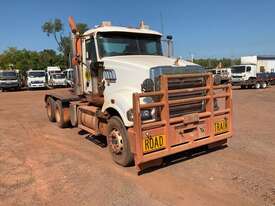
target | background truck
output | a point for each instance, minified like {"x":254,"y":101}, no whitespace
{"x":247,"y":76}
{"x":9,"y":80}
{"x":36,"y":79}
{"x":69,"y":75}
{"x":146,"y":105}
{"x":223,"y":73}
{"x":57,"y":79}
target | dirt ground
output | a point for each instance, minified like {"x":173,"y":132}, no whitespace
{"x":41,"y":164}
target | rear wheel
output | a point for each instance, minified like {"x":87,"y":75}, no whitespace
{"x":50,"y":104}
{"x":118,"y":142}
{"x":61,"y":115}
{"x":257,"y":85}
{"x":263,"y":85}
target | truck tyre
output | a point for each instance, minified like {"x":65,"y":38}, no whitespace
{"x":118,"y":142}
{"x":257,"y":85}
{"x":263,"y":85}
{"x":61,"y":115}
{"x":242,"y":86}
{"x":50,"y":109}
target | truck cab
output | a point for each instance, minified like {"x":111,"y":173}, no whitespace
{"x":246,"y":76}
{"x":9,"y":79}
{"x":223,"y":73}
{"x":36,"y":79}
{"x":243,"y":72}
{"x":147,"y":105}
{"x":57,"y":79}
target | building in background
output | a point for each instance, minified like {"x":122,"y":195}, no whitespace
{"x":265,"y":63}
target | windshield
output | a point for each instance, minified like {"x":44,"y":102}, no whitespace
{"x":119,"y":43}
{"x":36,"y":74}
{"x":58,"y":76}
{"x":7,"y":74}
{"x":238,"y":69}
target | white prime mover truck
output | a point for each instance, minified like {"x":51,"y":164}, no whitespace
{"x":148,"y":106}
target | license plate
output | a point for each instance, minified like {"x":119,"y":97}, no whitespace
{"x":153,"y":143}
{"x":221,"y":126}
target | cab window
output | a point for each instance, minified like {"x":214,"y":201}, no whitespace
{"x":90,"y":50}
{"x":248,"y":69}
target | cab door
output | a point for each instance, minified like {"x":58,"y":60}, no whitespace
{"x":88,"y":59}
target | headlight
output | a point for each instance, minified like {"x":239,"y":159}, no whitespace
{"x":145,"y":114}
{"x":148,"y":85}
{"x":130,"y":115}
{"x":216,"y":105}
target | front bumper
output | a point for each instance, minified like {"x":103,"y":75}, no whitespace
{"x":40,"y":85}
{"x":183,"y":132}
{"x":59,"y":84}
{"x":9,"y":85}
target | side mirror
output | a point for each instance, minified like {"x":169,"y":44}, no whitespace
{"x":169,"y":37}
{"x":96,"y":65}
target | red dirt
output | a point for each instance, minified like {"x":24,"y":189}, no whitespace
{"x":41,"y":164}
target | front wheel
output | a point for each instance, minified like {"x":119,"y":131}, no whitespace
{"x":118,"y":142}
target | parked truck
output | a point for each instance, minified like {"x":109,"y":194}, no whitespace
{"x":57,"y":79}
{"x":36,"y":79}
{"x":69,"y":75}
{"x":247,"y":76}
{"x":9,"y":80}
{"x":223,"y":73}
{"x":148,"y":106}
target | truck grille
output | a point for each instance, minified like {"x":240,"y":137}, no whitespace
{"x":37,"y":82}
{"x":192,"y":107}
{"x":180,"y":83}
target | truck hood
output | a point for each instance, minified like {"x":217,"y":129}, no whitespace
{"x":144,"y":61}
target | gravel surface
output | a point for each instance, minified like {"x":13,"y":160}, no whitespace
{"x":41,"y":164}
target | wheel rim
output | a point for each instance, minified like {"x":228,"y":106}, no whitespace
{"x":116,"y":141}
{"x":258,"y":86}
{"x":264,"y":85}
{"x":57,"y":115}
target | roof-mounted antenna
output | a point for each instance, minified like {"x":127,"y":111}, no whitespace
{"x":142,"y":25}
{"x":161,"y":23}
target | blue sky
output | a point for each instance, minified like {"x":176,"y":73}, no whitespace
{"x":204,"y":28}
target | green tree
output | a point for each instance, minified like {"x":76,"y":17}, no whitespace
{"x":56,"y":29}
{"x":25,"y":59}
{"x":213,"y":62}
{"x":81,"y":27}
